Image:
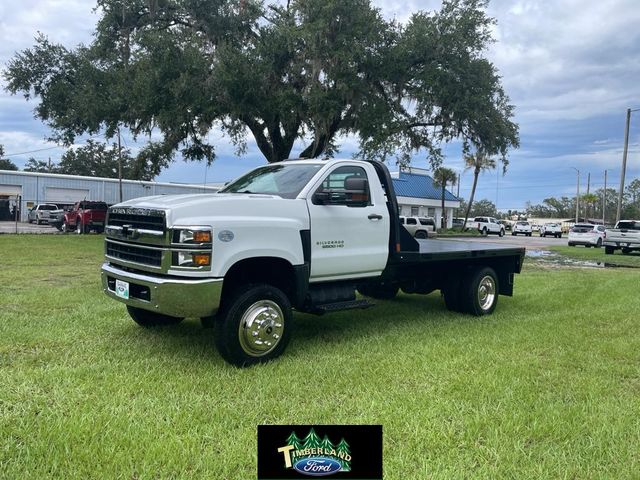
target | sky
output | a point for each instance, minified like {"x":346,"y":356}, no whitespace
{"x":570,"y":67}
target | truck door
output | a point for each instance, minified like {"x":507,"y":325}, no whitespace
{"x":348,"y":238}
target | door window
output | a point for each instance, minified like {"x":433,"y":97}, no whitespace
{"x":335,"y":184}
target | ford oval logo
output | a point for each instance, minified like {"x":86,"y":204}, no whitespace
{"x":317,"y":466}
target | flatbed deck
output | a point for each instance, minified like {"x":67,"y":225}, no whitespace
{"x":441,"y":249}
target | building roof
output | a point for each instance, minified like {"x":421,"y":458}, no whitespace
{"x":419,"y":185}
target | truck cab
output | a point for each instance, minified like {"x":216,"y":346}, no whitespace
{"x":300,"y":235}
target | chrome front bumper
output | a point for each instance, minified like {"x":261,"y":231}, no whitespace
{"x":177,"y":297}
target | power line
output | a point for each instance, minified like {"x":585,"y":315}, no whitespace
{"x":30,"y":151}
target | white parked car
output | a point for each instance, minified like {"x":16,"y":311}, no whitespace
{"x":554,"y":229}
{"x":486,"y":225}
{"x":419,"y":227}
{"x":522,"y":227}
{"x":586,"y":234}
{"x":40,"y":213}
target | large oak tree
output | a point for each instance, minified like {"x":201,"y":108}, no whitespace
{"x":308,"y":70}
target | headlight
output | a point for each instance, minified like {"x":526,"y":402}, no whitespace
{"x":192,"y":235}
{"x":191,"y":259}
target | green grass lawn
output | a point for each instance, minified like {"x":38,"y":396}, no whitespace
{"x":547,"y":387}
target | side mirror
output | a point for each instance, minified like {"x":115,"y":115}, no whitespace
{"x":320,"y":198}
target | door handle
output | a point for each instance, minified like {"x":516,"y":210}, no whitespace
{"x":374,"y":216}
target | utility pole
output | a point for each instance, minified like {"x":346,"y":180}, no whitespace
{"x":604,"y":198}
{"x":577,"y":194}
{"x":624,"y":162}
{"x":49,"y":165}
{"x":119,"y":165}
{"x":586,"y":210}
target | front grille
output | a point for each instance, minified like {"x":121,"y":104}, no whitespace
{"x":132,"y":253}
{"x":139,"y":218}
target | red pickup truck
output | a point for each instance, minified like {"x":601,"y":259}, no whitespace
{"x":85,"y":216}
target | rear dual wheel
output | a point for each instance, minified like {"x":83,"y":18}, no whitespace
{"x":476,"y":293}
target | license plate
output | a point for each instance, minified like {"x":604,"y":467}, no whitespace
{"x":624,"y":244}
{"x":122,"y":289}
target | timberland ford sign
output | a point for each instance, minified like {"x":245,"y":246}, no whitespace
{"x":338,"y":451}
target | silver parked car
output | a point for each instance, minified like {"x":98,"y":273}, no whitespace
{"x":40,"y":213}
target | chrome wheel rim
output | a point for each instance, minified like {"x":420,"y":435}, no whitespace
{"x":261,"y":328}
{"x":486,"y":292}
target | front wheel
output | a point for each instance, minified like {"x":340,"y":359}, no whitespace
{"x":146,"y":318}
{"x":501,"y":233}
{"x":599,"y":243}
{"x":421,"y":234}
{"x":255,"y":325}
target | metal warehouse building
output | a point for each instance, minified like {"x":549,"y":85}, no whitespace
{"x":26,"y":189}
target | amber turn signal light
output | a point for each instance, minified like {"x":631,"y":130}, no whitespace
{"x":201,"y":259}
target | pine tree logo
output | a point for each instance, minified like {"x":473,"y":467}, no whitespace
{"x":316,"y":456}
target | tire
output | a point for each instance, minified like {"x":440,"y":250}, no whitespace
{"x":479,"y":291}
{"x":599,"y":243}
{"x":80,"y":228}
{"x":626,"y":251}
{"x":501,"y":233}
{"x":421,"y":234}
{"x":255,"y":325}
{"x":609,"y":250}
{"x":146,"y":318}
{"x":529,"y":234}
{"x":484,"y":232}
{"x":59,"y":227}
{"x":380,"y":291}
{"x":65,"y":227}
{"x":451,"y":295}
{"x":513,"y":234}
{"x":571,"y":244}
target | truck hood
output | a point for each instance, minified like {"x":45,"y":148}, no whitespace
{"x":224,"y":208}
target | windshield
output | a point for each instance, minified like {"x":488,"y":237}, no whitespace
{"x":284,"y":180}
{"x":628,"y":225}
{"x":93,"y":205}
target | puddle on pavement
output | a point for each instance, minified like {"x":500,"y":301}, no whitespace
{"x":545,"y":257}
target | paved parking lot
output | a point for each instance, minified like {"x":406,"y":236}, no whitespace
{"x":23,"y":227}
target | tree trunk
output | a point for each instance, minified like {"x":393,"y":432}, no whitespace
{"x":476,"y":172}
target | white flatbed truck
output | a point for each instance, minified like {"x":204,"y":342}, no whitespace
{"x":301,"y":235}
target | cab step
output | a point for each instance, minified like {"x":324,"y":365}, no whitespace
{"x":347,"y":305}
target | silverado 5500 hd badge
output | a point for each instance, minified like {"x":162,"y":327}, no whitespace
{"x":331,"y":243}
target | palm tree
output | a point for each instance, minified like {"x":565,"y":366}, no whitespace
{"x":479,"y":162}
{"x":589,"y":200}
{"x":441,"y":177}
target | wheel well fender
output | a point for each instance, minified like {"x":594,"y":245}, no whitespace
{"x":278,"y":272}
